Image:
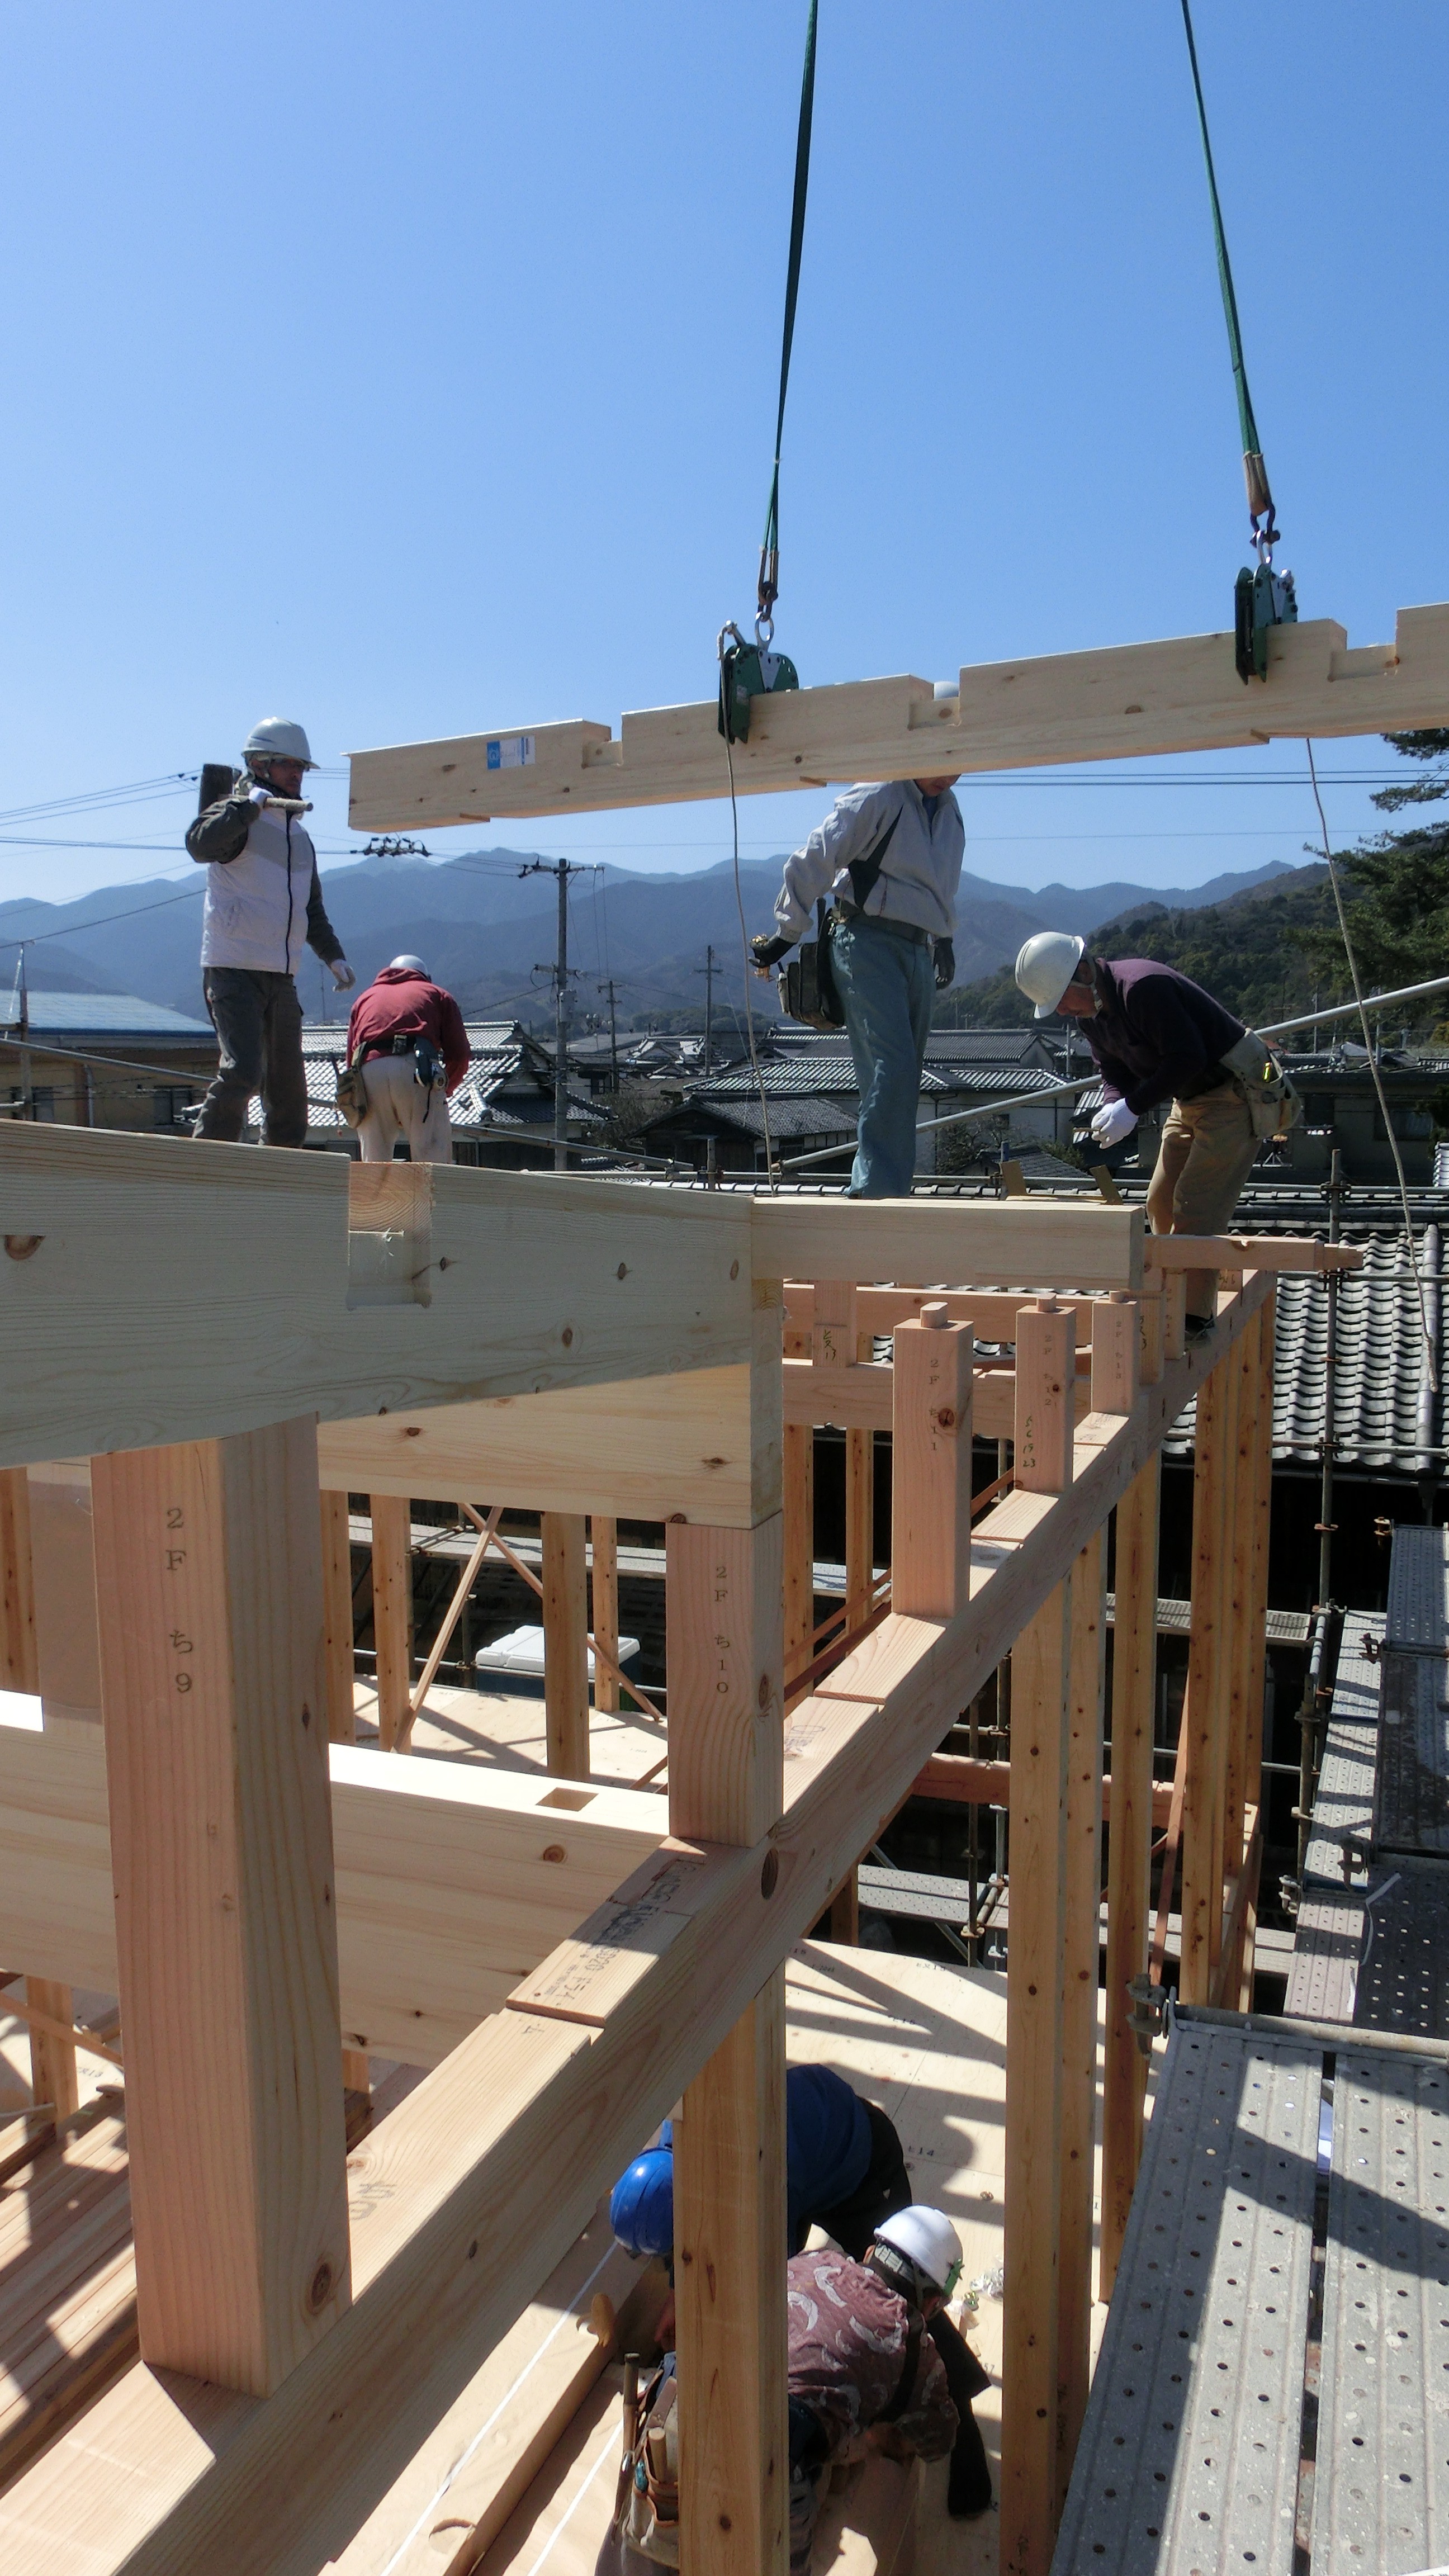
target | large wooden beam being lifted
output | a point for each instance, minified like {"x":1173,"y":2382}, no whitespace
{"x":1121,"y":703}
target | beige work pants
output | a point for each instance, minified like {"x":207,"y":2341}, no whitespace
{"x":398,"y":1106}
{"x":1208,"y":1149}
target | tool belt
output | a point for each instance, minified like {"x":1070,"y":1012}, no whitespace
{"x":1273,"y":1104}
{"x":647,"y":2514}
{"x":428,"y":1065}
{"x":851,"y":912}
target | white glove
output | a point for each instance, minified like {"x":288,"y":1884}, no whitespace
{"x":1114,"y":1122}
{"x":260,"y":796}
{"x":342,"y":975}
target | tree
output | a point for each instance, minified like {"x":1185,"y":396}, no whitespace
{"x":1396,"y":889}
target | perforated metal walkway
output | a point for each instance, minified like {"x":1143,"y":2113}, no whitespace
{"x":1270,"y":2216}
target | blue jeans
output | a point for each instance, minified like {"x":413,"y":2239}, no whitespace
{"x":885,"y":980}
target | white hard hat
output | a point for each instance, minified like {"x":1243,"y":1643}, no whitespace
{"x":277,"y":738}
{"x":411,"y":965}
{"x":1045,"y":966}
{"x":927,"y":2239}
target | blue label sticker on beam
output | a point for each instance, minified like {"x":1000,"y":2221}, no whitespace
{"x":515,"y":751}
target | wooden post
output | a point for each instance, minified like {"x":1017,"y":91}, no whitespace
{"x":392,"y":1614}
{"x":859,"y":1513}
{"x":566,"y":1644}
{"x":19,"y":1667}
{"x":337,"y":1618}
{"x":1081,"y":1913}
{"x":931,"y":1466}
{"x":53,"y":2074}
{"x":209,"y":1577}
{"x":1238,"y":1985}
{"x":1045,"y":1372}
{"x":726,"y":1784}
{"x":1129,"y":1856}
{"x":604,"y":1538}
{"x":1207,"y":1669}
{"x":799,"y":1547}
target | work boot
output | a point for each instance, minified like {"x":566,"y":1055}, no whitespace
{"x":968,"y":2489}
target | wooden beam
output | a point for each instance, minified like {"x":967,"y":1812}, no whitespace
{"x":513,"y":2138}
{"x":1238,"y":1252}
{"x":1068,"y":1242}
{"x":208,"y":1562}
{"x":1127,"y":701}
{"x":992,"y":1311}
{"x":341,"y":1664}
{"x":964,"y":1781}
{"x":931,"y":1467}
{"x":566,"y":1644}
{"x":53,"y":2074}
{"x":644,"y":1449}
{"x":604,"y":1552}
{"x":1080,"y":1943}
{"x":63,"y":1574}
{"x":392,"y":1616}
{"x":506,"y":1283}
{"x":860,"y":1399}
{"x":859,"y":1513}
{"x":726,"y":1786}
{"x":453,"y":1882}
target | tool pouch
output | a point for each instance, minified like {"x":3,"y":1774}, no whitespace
{"x":427,"y":1065}
{"x":351,"y":1094}
{"x":648,"y":2517}
{"x":1272,"y":1101}
{"x":807,"y":986}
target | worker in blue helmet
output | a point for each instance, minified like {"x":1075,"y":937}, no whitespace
{"x":845,"y":2171}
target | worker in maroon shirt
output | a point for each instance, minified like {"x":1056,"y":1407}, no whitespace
{"x":408,"y":1038}
{"x":1159,"y":1038}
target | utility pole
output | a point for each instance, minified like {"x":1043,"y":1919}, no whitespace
{"x":613,"y":1032}
{"x":563,"y":869}
{"x":708,"y":970}
{"x":22,"y":1022}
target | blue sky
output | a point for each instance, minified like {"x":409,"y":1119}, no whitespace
{"x":413,"y":373}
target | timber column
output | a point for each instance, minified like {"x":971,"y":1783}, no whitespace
{"x":209,"y":1585}
{"x":726,"y":1785}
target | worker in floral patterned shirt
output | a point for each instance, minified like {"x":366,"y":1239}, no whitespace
{"x":864,"y":2373}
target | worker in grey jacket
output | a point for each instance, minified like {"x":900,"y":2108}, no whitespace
{"x":891,"y":858}
{"x":263,"y":902}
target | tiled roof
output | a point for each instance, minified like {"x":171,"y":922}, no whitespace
{"x":116,"y":1015}
{"x":810,"y":1115}
{"x":822,"y":1073}
{"x":1380,"y":1365}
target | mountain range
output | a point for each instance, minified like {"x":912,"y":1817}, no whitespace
{"x":485,"y":929}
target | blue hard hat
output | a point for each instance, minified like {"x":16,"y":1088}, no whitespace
{"x":641,"y":2209}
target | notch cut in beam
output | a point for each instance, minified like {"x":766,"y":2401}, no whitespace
{"x":1121,"y":703}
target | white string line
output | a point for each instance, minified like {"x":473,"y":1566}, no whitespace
{"x":1431,"y":1356}
{"x":608,"y":2452}
{"x":460,"y":2464}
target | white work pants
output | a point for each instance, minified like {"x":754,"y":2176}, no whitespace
{"x":398,"y":1106}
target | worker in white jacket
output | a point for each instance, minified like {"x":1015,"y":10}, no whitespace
{"x":891,"y":857}
{"x":263,"y":904}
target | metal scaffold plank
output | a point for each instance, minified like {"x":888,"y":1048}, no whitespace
{"x":1418,"y":1605}
{"x":1337,"y":1854}
{"x":1411,"y":1800}
{"x":1403,"y":1981}
{"x":1323,"y":1971}
{"x":1381,"y":2482}
{"x":1189,"y":2454}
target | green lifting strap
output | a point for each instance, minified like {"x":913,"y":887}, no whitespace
{"x":769,"y":589}
{"x":1260,"y":498}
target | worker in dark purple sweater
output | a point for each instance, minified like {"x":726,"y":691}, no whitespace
{"x":1158,"y":1037}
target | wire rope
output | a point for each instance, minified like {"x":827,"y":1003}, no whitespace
{"x":1431,"y":1356}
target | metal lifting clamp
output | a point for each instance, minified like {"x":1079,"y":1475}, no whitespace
{"x":1262,"y":598}
{"x":749,"y":671}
